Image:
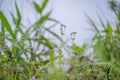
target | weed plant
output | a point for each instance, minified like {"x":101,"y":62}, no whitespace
{"x":23,"y":49}
{"x":24,"y":58}
{"x":106,"y":52}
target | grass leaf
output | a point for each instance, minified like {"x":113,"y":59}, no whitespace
{"x":44,"y":5}
{"x":37,"y":7}
{"x":92,"y":23}
{"x":40,"y":21}
{"x":6,"y":24}
{"x":18,"y":15}
{"x":53,"y":33}
{"x":77,"y":49}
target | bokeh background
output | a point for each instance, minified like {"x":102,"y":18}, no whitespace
{"x":68,"y":12}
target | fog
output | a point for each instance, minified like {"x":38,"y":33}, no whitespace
{"x":68,"y":12}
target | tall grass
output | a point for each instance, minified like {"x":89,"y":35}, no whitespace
{"x":106,"y":53}
{"x":23,"y":50}
{"x":21,"y":58}
{"x":27,"y":53}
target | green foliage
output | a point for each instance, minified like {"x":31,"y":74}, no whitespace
{"x":42,"y":7}
{"x":77,"y":49}
{"x":106,"y":53}
{"x":30,"y":53}
{"x":5,"y":24}
{"x":21,"y":58}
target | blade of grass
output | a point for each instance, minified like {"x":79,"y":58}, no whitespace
{"x":93,"y":24}
{"x":37,"y":7}
{"x":54,"y":20}
{"x":6,"y":24}
{"x":101,"y":21}
{"x":40,"y":21}
{"x":44,"y":5}
{"x":109,"y":27}
{"x":18,"y":15}
{"x":53,"y":33}
{"x":2,"y":32}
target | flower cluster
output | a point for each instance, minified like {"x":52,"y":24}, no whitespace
{"x":62,"y":29}
{"x":73,"y":34}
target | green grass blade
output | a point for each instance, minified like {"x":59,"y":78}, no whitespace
{"x":77,"y":49}
{"x":53,"y":33}
{"x":14,"y":19}
{"x":54,"y":20}
{"x":40,"y":21}
{"x":102,"y":23}
{"x":6,"y":24}
{"x":37,"y":7}
{"x":18,"y":14}
{"x":109,"y":29}
{"x":44,"y":5}
{"x":93,"y":24}
{"x":47,"y":42}
{"x":2,"y":32}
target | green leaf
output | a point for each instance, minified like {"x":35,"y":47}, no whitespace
{"x":37,"y":7}
{"x":6,"y":24}
{"x":109,"y":29}
{"x":45,"y":62}
{"x":44,"y":5}
{"x":102,"y":23}
{"x":40,"y":8}
{"x":18,"y":15}
{"x":47,"y":42}
{"x":14,"y":19}
{"x":118,"y":15}
{"x":53,"y":33}
{"x":17,"y":21}
{"x":2,"y":32}
{"x":92,"y":23}
{"x":40,"y":21}
{"x":52,"y":59}
{"x":77,"y":49}
{"x":54,"y":20}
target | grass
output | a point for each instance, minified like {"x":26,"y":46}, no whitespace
{"x":34,"y":56}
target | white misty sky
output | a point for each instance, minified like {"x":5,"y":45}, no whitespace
{"x":71,"y":13}
{"x":68,"y":12}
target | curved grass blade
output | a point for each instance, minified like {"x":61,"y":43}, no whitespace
{"x":39,"y":22}
{"x":93,"y":24}
{"x":54,"y":20}
{"x":53,"y":33}
{"x":44,"y":5}
{"x":37,"y":7}
{"x":6,"y":24}
{"x":18,"y":15}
